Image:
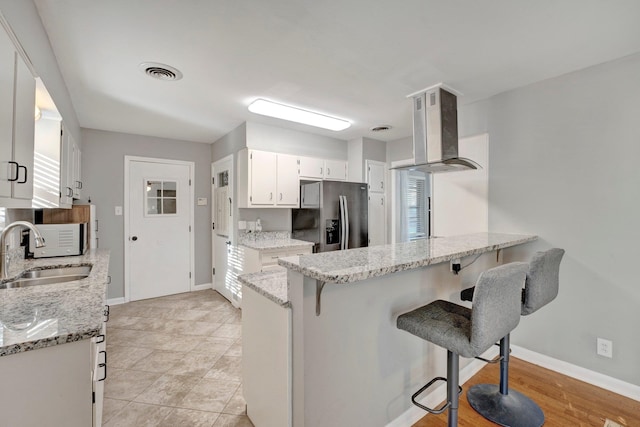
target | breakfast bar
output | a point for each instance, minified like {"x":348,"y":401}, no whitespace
{"x":347,"y":363}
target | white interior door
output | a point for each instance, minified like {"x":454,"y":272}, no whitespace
{"x":160,"y":218}
{"x":225,"y":280}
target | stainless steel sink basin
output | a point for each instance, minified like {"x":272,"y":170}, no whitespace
{"x":48,"y":276}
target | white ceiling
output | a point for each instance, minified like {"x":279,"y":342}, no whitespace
{"x":355,"y":59}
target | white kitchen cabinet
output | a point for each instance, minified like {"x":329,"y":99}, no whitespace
{"x":311,"y":168}
{"x":98,"y":374}
{"x":376,"y":176}
{"x":335,"y":170}
{"x":51,"y":386}
{"x":17,"y":106}
{"x":267,"y":179}
{"x":77,"y":171}
{"x":256,"y":260}
{"x":70,"y":171}
{"x":377,"y":219}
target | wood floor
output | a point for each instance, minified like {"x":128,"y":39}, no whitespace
{"x":566,"y":402}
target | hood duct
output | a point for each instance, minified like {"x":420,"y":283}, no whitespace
{"x":435,"y":133}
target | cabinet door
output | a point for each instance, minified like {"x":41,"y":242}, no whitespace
{"x":377,"y":222}
{"x":77,"y":171}
{"x":375,"y":176}
{"x":263,"y":178}
{"x":7,"y":63}
{"x":66,"y":169}
{"x":23,"y":131}
{"x":287,"y":180}
{"x":335,"y":170}
{"x":310,"y":167}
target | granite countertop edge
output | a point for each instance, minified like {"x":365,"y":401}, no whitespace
{"x":371,"y":271}
{"x":78,"y":305}
{"x":277,"y":244}
{"x":271,"y":284}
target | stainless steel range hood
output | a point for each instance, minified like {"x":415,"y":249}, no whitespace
{"x":435,"y":133}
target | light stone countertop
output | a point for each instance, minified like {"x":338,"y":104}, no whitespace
{"x":271,"y":240}
{"x":353,"y":265}
{"x":45,"y":315}
{"x":271,"y":284}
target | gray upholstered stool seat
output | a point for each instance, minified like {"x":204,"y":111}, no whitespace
{"x":468,"y":332}
{"x":496,"y":402}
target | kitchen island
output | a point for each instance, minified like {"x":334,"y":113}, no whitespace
{"x":349,"y":364}
{"x":52,"y":345}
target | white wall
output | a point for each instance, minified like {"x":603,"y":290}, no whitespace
{"x":280,"y":140}
{"x":564,"y":165}
{"x":103,"y":175}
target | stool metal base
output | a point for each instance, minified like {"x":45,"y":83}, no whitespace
{"x":510,"y":410}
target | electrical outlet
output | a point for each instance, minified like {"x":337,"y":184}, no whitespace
{"x":605,"y":347}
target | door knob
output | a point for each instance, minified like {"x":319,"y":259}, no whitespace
{"x":134,"y":238}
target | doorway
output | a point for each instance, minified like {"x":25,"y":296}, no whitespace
{"x":222,"y":239}
{"x":158,"y":236}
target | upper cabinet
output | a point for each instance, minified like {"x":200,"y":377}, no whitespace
{"x":376,"y":176}
{"x":267,"y":179}
{"x":17,"y":107}
{"x":317,"y":169}
{"x":70,"y":179}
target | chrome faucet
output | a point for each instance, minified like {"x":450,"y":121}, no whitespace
{"x":3,"y":246}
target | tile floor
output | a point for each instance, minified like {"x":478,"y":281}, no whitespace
{"x":175,"y":361}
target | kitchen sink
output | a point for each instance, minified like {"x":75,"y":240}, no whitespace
{"x":48,"y":276}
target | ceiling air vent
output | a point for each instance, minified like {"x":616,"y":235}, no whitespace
{"x":381,"y":128}
{"x":160,"y":71}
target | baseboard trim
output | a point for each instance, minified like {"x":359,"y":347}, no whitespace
{"x":588,"y":376}
{"x":439,"y":394}
{"x":116,"y":301}
{"x":202,"y":287}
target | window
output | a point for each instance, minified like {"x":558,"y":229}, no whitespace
{"x":412,"y":196}
{"x":161,"y":197}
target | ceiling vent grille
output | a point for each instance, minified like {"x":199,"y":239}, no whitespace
{"x":381,"y":128}
{"x":160,"y":71}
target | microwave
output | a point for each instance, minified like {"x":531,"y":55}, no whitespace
{"x":60,"y":240}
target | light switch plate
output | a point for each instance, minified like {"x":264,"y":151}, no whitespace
{"x":202,"y":201}
{"x":118,"y":210}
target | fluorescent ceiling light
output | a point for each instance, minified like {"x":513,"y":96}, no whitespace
{"x":286,"y":112}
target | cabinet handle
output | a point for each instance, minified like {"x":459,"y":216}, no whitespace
{"x":320,"y":171}
{"x":17,"y":169}
{"x":79,"y":185}
{"x":103,"y":365}
{"x":328,"y":171}
{"x":106,"y":312}
{"x":108,"y":280}
{"x":69,"y":192}
{"x":101,"y":337}
{"x":280,"y":196}
{"x":271,"y":196}
{"x":382,"y":202}
{"x":382,"y":185}
{"x":24,"y":181}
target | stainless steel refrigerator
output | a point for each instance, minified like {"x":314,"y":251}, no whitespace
{"x":333,"y":215}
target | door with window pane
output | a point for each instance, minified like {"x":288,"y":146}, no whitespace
{"x":159,"y":248}
{"x":415,"y":205}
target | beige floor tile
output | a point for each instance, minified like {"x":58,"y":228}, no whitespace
{"x":235,"y":350}
{"x":225,"y":420}
{"x":139,"y":415}
{"x":168,"y":390}
{"x":168,"y":342}
{"x":121,"y":357}
{"x":237,"y":404}
{"x":187,"y":327}
{"x":210,"y":395}
{"x":227,"y":368}
{"x":178,"y":314}
{"x":189,"y":418}
{"x":194,"y":364}
{"x":216,"y":317}
{"x":158,"y":361}
{"x":228,"y":331}
{"x":212,"y":345}
{"x":111,"y":407}
{"x":126,"y":385}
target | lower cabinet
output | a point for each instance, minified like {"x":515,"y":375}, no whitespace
{"x":52,"y":386}
{"x":256,"y":260}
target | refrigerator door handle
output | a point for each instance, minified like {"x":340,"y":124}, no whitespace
{"x":342,"y":221}
{"x":346,"y":222}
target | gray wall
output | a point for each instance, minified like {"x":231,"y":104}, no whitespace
{"x":564,"y":165}
{"x":103,"y":175}
{"x":26,"y":24}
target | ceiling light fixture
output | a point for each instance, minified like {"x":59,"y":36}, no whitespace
{"x":298,"y":115}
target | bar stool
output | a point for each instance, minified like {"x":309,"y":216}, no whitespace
{"x":506,"y":407}
{"x":468,"y":332}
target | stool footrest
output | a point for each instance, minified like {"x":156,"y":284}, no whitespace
{"x":436,"y":411}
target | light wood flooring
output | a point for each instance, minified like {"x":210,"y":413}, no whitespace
{"x":566,"y":402}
